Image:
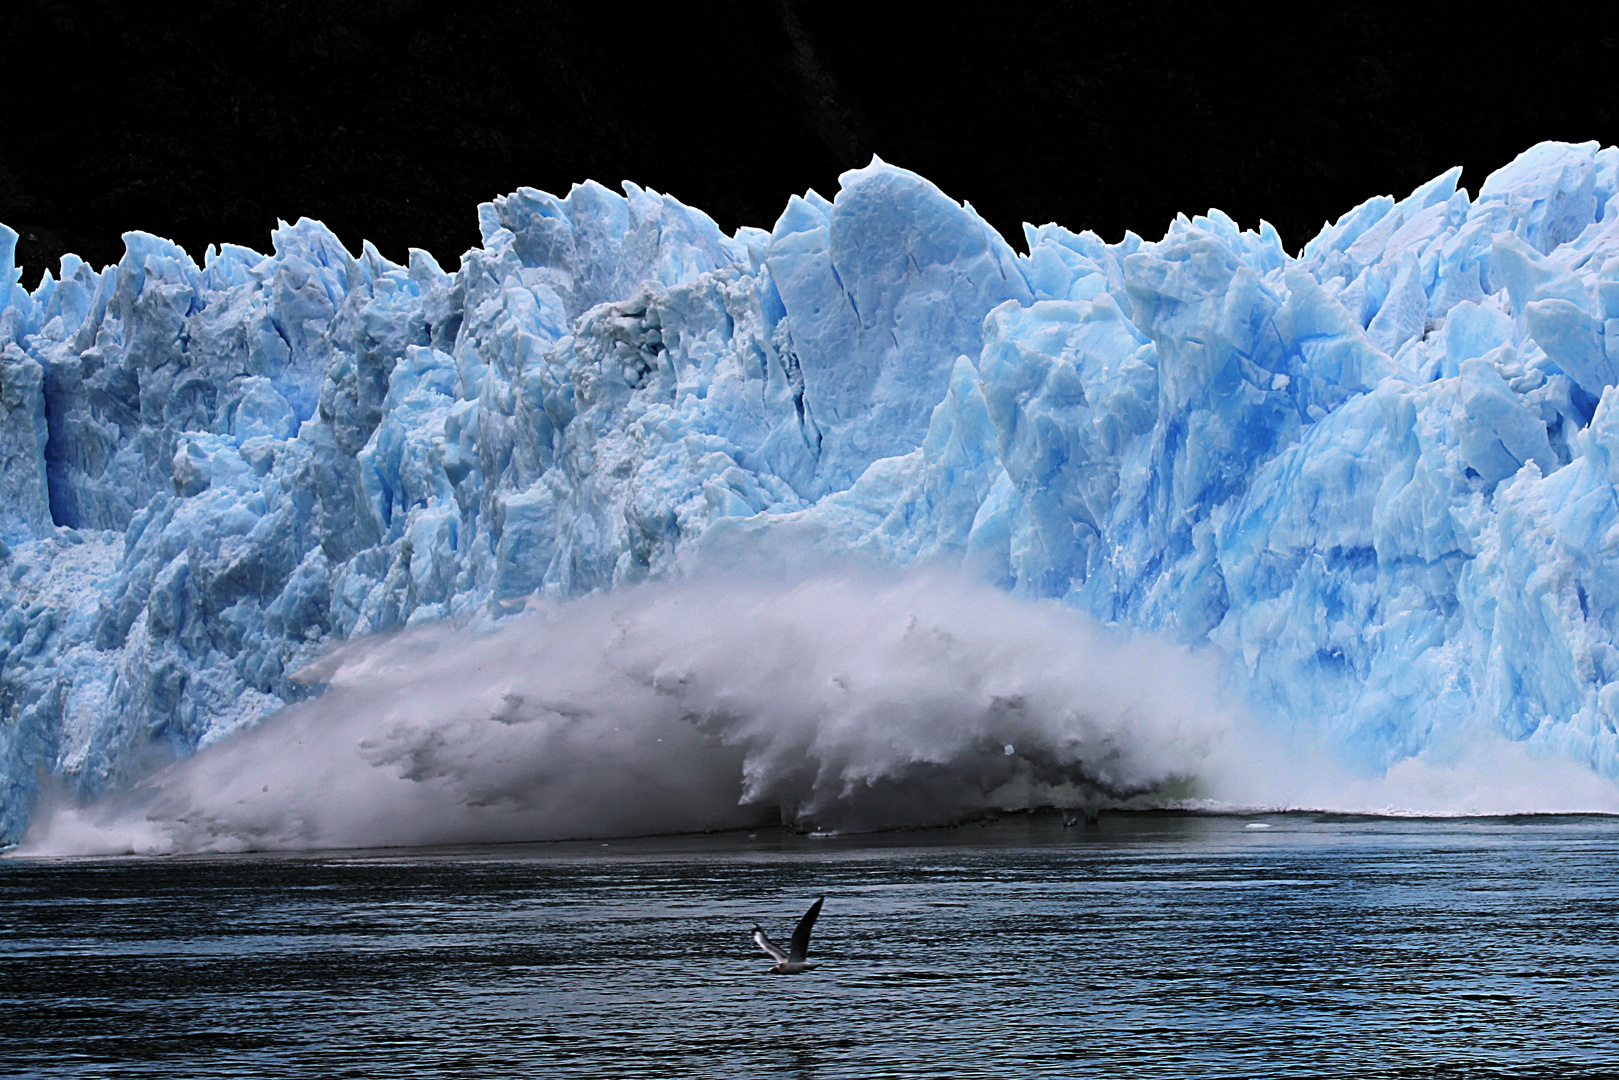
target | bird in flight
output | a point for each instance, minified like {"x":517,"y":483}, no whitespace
{"x":791,"y":961}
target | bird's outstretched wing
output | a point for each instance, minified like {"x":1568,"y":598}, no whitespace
{"x":769,"y":946}
{"x":799,"y":948}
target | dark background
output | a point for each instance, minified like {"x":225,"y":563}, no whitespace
{"x":391,"y":119}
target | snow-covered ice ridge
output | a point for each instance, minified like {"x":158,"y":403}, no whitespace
{"x":1380,"y":476}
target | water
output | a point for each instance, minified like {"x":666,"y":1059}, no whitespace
{"x":1149,"y":945}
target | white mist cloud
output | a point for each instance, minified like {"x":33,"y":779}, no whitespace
{"x":1486,"y":776}
{"x":844,"y":700}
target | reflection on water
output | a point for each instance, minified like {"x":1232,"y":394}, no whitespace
{"x":1148,"y":945}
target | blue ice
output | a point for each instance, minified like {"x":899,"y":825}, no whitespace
{"x":1379,"y":476}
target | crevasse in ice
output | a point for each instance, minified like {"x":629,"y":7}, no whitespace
{"x":1380,"y":477}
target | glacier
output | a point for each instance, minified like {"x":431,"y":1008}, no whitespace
{"x":1377,"y":478}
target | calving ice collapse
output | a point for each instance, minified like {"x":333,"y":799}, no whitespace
{"x":1376,"y":481}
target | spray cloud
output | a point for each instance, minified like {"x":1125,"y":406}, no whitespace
{"x":847,"y":700}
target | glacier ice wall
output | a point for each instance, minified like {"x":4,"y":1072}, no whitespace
{"x":1379,"y":476}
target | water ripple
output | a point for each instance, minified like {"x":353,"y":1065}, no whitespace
{"x":1155,"y":945}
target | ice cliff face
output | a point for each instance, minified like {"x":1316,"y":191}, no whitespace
{"x":1381,"y":476}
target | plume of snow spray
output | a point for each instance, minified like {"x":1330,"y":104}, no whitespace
{"x":845,"y":701}
{"x":841,"y":701}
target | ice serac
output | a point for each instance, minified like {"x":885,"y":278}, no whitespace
{"x":1380,"y":476}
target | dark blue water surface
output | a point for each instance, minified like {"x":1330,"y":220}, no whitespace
{"x":1149,"y":945}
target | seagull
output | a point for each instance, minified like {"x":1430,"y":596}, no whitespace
{"x":791,"y":962}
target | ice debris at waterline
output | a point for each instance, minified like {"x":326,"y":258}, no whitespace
{"x":1379,"y":477}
